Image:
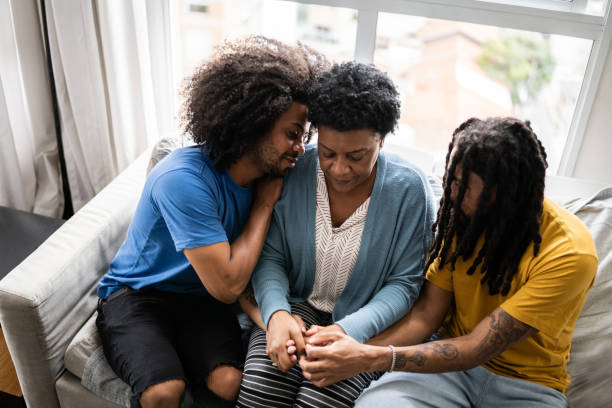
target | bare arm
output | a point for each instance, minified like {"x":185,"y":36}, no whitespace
{"x":249,"y":306}
{"x":225,"y":269}
{"x":344,"y":357}
{"x":423,"y":319}
{"x":491,"y":337}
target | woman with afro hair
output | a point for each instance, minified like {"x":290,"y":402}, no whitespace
{"x":164,"y":314}
{"x":347,"y":242}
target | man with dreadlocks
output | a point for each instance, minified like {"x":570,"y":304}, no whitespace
{"x":507,"y":276}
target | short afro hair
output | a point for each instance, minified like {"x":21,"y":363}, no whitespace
{"x":352,"y":96}
{"x":233,"y":100}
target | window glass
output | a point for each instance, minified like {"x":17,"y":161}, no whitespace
{"x":199,"y":25}
{"x":592,"y":7}
{"x":449,"y":71}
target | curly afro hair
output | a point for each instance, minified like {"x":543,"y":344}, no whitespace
{"x":233,"y":100}
{"x":352,"y":96}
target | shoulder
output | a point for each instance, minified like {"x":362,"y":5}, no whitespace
{"x":184,"y":170}
{"x":402,"y":177}
{"x":567,"y":249}
{"x":565,"y":232}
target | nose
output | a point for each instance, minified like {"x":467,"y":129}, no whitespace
{"x":298,"y":147}
{"x":339,"y":168}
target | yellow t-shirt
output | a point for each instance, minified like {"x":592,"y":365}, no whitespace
{"x":547,"y":293}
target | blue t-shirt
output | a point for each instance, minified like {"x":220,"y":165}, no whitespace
{"x":185,"y":203}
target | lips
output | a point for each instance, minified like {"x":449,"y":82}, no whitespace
{"x":341,"y":182}
{"x":292,"y":160}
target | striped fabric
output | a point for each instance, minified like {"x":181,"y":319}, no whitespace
{"x":266,"y":386}
{"x":336,"y":249}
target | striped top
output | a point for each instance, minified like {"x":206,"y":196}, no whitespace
{"x":336,"y":249}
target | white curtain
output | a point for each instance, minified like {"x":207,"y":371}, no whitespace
{"x":29,"y":170}
{"x":112,"y":68}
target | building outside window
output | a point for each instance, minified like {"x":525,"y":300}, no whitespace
{"x":451,"y":60}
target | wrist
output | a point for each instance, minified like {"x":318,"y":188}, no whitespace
{"x":278,"y":315}
{"x":338,"y":327}
{"x":263,"y":206}
{"x":378,"y":358}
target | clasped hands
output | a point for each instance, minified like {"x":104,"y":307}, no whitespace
{"x":325,"y":353}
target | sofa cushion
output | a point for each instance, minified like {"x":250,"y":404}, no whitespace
{"x":82,"y":347}
{"x":592,"y":341}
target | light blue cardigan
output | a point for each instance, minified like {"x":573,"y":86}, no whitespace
{"x":388,"y":272}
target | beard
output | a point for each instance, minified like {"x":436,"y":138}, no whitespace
{"x":460,"y":220}
{"x":474,"y":225}
{"x":270,"y":160}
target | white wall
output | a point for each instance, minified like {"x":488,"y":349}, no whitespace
{"x":595,"y":156}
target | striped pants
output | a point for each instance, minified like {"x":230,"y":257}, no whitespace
{"x":266,"y":386}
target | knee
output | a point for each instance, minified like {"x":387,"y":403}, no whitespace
{"x":162,"y":395}
{"x":224,"y":381}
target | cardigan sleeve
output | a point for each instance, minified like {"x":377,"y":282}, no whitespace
{"x":404,"y":278}
{"x":269,"y":280}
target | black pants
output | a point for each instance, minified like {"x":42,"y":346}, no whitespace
{"x":150,"y":337}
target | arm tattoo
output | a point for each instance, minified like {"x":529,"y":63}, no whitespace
{"x":447,"y":351}
{"x":249,"y":294}
{"x":417,"y":358}
{"x":504,"y":331}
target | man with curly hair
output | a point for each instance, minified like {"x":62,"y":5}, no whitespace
{"x":165,"y":315}
{"x":512,"y":270}
{"x":347,"y":243}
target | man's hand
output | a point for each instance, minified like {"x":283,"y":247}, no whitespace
{"x":282,"y":327}
{"x":332,"y":356}
{"x":267,"y":191}
{"x":314,"y":329}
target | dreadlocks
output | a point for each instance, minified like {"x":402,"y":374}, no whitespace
{"x":507,"y":155}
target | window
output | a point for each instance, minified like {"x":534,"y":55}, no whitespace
{"x":448,"y":71}
{"x":539,"y":60}
{"x":330,"y":30}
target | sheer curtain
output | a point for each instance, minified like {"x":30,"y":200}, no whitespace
{"x":112,"y":67}
{"x":29,"y":168}
{"x":113,"y":75}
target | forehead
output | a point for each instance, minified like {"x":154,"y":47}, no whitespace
{"x":474,"y":180}
{"x":295,"y":114}
{"x":347,"y":140}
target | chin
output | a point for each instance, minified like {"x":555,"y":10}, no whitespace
{"x":344,"y":188}
{"x":280,"y":171}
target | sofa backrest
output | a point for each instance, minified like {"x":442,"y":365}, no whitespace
{"x":589,"y":364}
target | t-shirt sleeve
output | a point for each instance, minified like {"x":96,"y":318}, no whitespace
{"x":552,"y":292}
{"x":190,"y":208}
{"x":441,"y":277}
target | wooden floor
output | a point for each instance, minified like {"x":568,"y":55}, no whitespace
{"x":8,"y":377}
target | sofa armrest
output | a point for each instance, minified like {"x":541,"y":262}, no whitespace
{"x":46,"y":299}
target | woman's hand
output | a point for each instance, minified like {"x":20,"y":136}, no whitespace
{"x":282,"y":328}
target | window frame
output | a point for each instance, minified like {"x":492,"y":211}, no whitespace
{"x":545,"y":16}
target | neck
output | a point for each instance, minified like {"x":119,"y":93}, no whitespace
{"x":244,"y":171}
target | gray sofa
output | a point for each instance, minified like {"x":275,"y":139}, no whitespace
{"x":47,"y":303}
